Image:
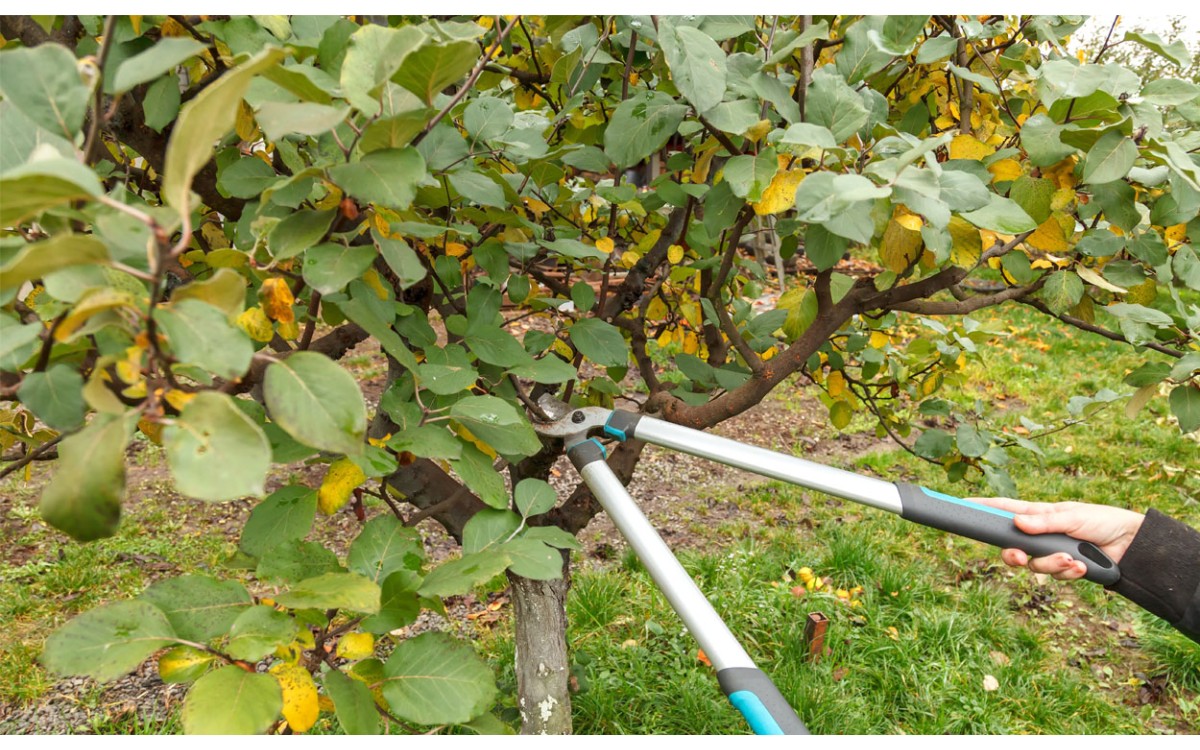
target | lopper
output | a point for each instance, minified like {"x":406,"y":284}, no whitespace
{"x":749,"y":689}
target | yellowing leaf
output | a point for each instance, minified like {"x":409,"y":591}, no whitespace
{"x":1143,"y":293}
{"x":245,"y":126}
{"x":300,"y":705}
{"x":256,"y":324}
{"x":605,"y":244}
{"x":1062,"y":199}
{"x":340,"y":480}
{"x":1062,"y":174}
{"x":756,"y":131}
{"x":900,"y":247}
{"x":178,"y":399}
{"x":182,"y":664}
{"x":276,"y":298}
{"x":371,"y":279}
{"x":455,"y":249}
{"x":1175,"y":234}
{"x":675,"y":253}
{"x":355,"y":646}
{"x":879,"y":339}
{"x":703,"y":164}
{"x":1048,"y":237}
{"x":911,"y":222}
{"x":780,"y":195}
{"x":691,"y":344}
{"x":1096,"y":279}
{"x":967,"y":244}
{"x":1006,"y":170}
{"x":289,"y":330}
{"x":152,"y":431}
{"x":836,"y":383}
{"x":969,"y":147}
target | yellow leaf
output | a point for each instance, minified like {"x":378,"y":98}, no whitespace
{"x":355,"y":646}
{"x":289,"y":330}
{"x":1048,"y":237}
{"x":1175,"y":234}
{"x":371,"y":279}
{"x":769,"y":353}
{"x":245,"y":126}
{"x":1062,"y":199}
{"x":657,"y":309}
{"x":649,"y":240}
{"x":1006,"y":170}
{"x":178,"y":399}
{"x":629,"y":258}
{"x":340,"y":480}
{"x":277,"y":300}
{"x":152,"y":430}
{"x":780,"y":195}
{"x":758,"y":130}
{"x":675,"y":253}
{"x":900,"y":247}
{"x":1062,"y":174}
{"x":536,"y":207}
{"x":605,"y":244}
{"x":967,"y":244}
{"x":470,"y":438}
{"x":911,"y":222}
{"x":455,"y":249}
{"x":691,"y":344}
{"x":256,"y":324}
{"x":836,"y":383}
{"x":879,"y":339}
{"x":703,"y":164}
{"x":969,"y":147}
{"x":181,"y":663}
{"x":300,"y":705}
{"x":1143,"y":293}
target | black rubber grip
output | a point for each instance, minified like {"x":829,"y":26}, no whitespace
{"x":622,"y":424}
{"x":765,"y":708}
{"x":995,"y":526}
{"x":585,"y":452}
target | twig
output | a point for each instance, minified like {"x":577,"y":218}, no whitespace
{"x":1104,"y":47}
{"x":31,"y":455}
{"x":93,"y":135}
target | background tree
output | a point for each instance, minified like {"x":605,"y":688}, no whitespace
{"x":204,"y":214}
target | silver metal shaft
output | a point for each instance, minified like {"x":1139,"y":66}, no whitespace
{"x":845,"y":484}
{"x":719,"y":644}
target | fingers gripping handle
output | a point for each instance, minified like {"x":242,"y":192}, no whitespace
{"x":995,"y":526}
{"x":764,"y":707}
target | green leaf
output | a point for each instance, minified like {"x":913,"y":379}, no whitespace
{"x":38,"y":259}
{"x":278,"y":119}
{"x":43,"y":83}
{"x":749,"y":176}
{"x":970,"y":442}
{"x":352,"y":703}
{"x":199,"y":608}
{"x":1062,"y":291}
{"x":349,"y":591}
{"x":162,"y":58}
{"x":460,"y":576}
{"x":402,"y":259}
{"x":640,"y":126}
{"x":384,"y":546}
{"x":496,"y":346}
{"x":859,"y":57}
{"x":553,"y":536}
{"x":203,"y":121}
{"x":215,"y":451}
{"x":1148,"y":248}
{"x":55,"y":396}
{"x":985,"y":83}
{"x":232,"y":701}
{"x":697,"y":64}
{"x":1110,"y":159}
{"x":1176,"y":52}
{"x":298,"y":231}
{"x":1001,"y":215}
{"x":23,"y":136}
{"x":1033,"y":195}
{"x":375,"y":54}
{"x":388,"y":177}
{"x":286,"y":515}
{"x":200,"y":334}
{"x":446,"y":380}
{"x":363,"y":313}
{"x":497,"y":423}
{"x":933,"y":444}
{"x":296,"y":561}
{"x":600,"y":342}
{"x":1068,"y":79}
{"x":807,"y":134}
{"x":834,"y":105}
{"x":548,"y":369}
{"x":1169,"y":91}
{"x":1185,"y":405}
{"x":398,"y":605}
{"x":534,"y":497}
{"x":83,"y":497}
{"x":316,"y":402}
{"x":487,"y":117}
{"x":257,"y":632}
{"x":1186,"y":266}
{"x":427,"y":441}
{"x":434,"y":679}
{"x":109,"y":641}
{"x":937,"y":48}
{"x":487,"y":528}
{"x":477,"y":188}
{"x":534,"y":560}
{"x":183,"y":664}
{"x":1040,"y":137}
{"x":435,"y":66}
{"x":330,"y":266}
{"x":247,"y":177}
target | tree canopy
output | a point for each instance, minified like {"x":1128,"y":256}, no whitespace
{"x":201,"y":216}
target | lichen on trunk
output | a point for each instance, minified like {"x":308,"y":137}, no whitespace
{"x":542,"y":663}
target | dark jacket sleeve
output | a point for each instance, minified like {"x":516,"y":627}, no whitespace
{"x":1161,"y":572}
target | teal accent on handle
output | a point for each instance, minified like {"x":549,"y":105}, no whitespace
{"x":603,"y":450}
{"x":757,"y":715}
{"x":966,"y":503}
{"x":613,"y":432}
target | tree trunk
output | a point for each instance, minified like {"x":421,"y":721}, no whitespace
{"x":542,"y":664}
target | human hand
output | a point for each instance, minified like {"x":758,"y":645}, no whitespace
{"x":1111,"y":529}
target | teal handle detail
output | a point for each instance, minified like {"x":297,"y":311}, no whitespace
{"x":967,"y":503}
{"x":757,"y":716}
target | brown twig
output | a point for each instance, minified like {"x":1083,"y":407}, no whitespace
{"x":93,"y":135}
{"x":32,"y":455}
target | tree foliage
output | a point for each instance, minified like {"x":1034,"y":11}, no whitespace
{"x":202,"y":216}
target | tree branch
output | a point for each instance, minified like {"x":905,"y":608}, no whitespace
{"x":1070,"y":320}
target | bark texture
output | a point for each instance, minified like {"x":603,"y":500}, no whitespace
{"x":542,"y":664}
